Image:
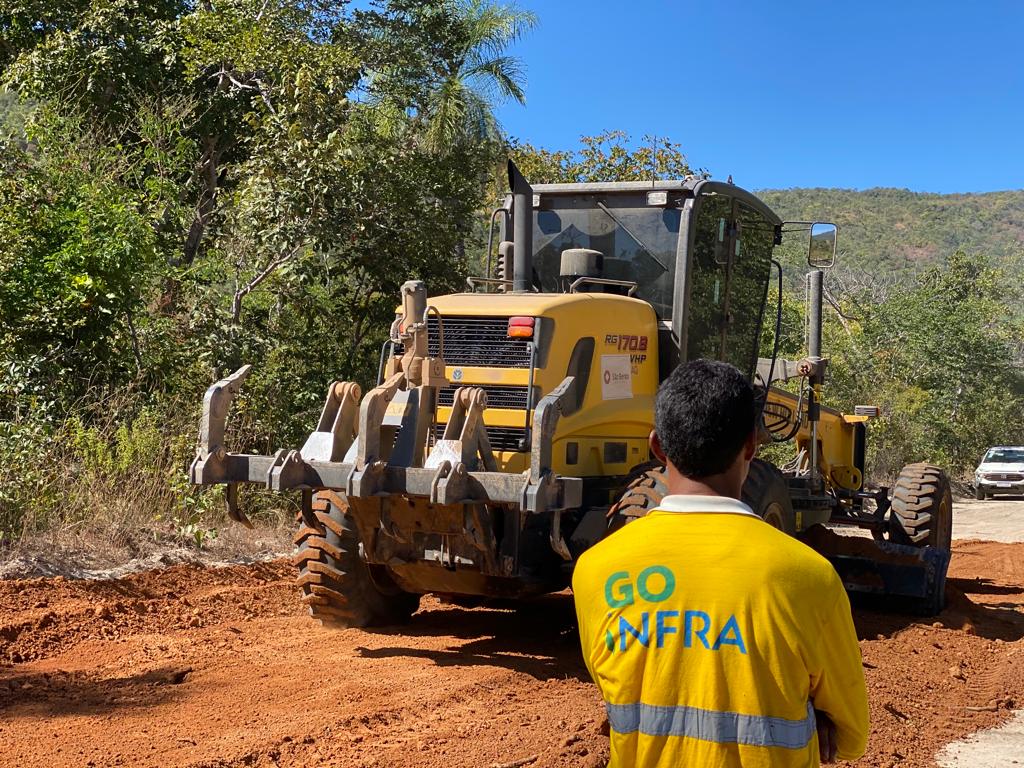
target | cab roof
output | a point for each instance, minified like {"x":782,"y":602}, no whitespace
{"x":691,"y":186}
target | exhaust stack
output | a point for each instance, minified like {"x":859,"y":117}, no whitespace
{"x":522,"y":230}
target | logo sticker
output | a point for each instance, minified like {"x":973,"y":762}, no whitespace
{"x":616,"y":377}
{"x":457,"y":374}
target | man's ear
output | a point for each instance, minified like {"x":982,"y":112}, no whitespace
{"x":750,"y":447}
{"x":656,"y":449}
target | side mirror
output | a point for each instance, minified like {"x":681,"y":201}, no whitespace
{"x":821,"y":249}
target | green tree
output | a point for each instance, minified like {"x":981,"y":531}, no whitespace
{"x":76,"y":258}
{"x":98,"y":55}
{"x":942,"y":359}
{"x":206,"y":184}
{"x":477,"y":75}
{"x":238,"y":64}
{"x":609,"y":156}
{"x":13,"y":114}
{"x":273,"y":206}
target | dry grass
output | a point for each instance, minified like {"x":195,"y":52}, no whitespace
{"x":112,"y":481}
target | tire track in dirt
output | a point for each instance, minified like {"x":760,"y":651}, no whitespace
{"x":202,"y":667}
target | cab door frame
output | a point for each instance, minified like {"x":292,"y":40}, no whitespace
{"x":681,"y":309}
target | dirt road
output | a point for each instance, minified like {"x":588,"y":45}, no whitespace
{"x":192,"y":666}
{"x":998,"y":519}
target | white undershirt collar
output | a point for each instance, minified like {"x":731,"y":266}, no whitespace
{"x":693,"y":503}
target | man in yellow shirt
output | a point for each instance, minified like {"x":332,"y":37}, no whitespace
{"x":715,"y":639}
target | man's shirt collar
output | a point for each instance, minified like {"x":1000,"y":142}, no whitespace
{"x":681,"y":503}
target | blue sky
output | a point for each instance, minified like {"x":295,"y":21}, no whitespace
{"x":790,"y":93}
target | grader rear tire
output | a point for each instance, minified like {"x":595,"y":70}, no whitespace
{"x":336,"y":584}
{"x":765,"y":492}
{"x":922,"y":507}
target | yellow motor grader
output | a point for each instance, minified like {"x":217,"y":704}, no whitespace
{"x":508,"y":430}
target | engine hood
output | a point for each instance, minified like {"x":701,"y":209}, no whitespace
{"x":992,"y":466}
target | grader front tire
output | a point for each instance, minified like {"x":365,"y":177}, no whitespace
{"x":922,"y":507}
{"x":337,"y":586}
{"x":767,"y":493}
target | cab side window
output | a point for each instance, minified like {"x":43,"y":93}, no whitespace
{"x":707,"y":277}
{"x":729,"y":269}
{"x":749,"y":271}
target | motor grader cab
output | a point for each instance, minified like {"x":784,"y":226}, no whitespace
{"x":509,"y":427}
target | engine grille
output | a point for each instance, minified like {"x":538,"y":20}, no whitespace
{"x":1010,"y":476}
{"x":501,"y":438}
{"x":498,"y":396}
{"x":477,"y":341}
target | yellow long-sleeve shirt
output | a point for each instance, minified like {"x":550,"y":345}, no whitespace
{"x":713,"y":636}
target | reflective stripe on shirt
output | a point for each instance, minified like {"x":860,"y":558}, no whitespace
{"x":710,"y":725}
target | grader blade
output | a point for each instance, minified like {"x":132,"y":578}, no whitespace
{"x":913,"y":577}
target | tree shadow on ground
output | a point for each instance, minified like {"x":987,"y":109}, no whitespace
{"x":536,"y":637}
{"x":35,"y":694}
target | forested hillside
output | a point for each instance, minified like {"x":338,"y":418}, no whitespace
{"x":886,"y":229}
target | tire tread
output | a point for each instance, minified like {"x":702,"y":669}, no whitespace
{"x":335,"y":584}
{"x":917,"y":500}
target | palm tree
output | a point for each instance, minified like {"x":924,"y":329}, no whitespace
{"x":478,"y":76}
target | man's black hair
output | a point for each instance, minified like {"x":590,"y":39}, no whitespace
{"x":704,"y":414}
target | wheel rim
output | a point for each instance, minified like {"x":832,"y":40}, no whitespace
{"x":773,"y":515}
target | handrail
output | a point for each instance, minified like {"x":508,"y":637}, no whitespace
{"x":633,"y":286}
{"x":472,"y":281}
{"x":490,"y":234}
{"x":440,"y":328}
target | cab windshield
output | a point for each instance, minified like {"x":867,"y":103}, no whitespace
{"x":638,"y":240}
{"x":1004,"y":456}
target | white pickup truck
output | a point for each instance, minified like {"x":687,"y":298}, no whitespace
{"x":1000,"y":471}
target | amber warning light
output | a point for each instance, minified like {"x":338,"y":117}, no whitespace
{"x":520,"y":327}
